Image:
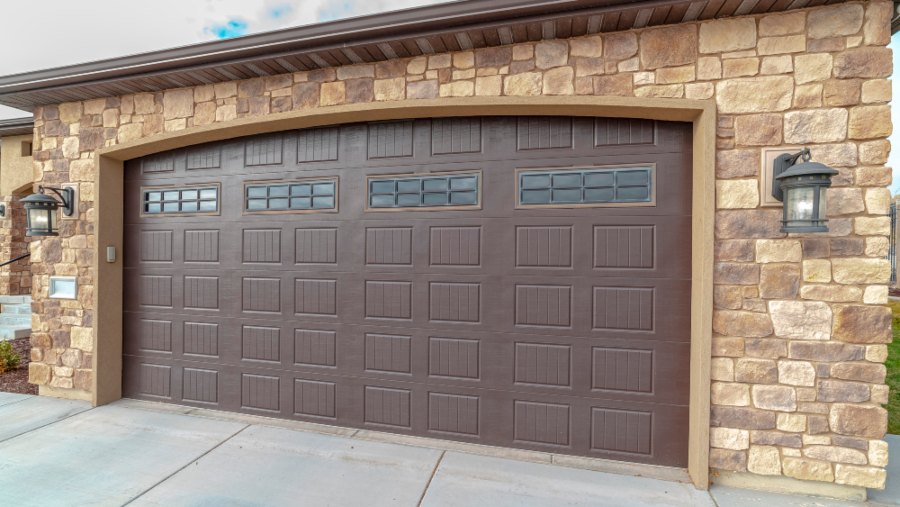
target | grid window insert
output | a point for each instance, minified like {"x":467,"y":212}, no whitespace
{"x":586,"y":186}
{"x":424,"y":191}
{"x":295,"y":196}
{"x":181,"y":200}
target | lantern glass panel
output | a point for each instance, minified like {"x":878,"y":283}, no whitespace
{"x":800,"y":203}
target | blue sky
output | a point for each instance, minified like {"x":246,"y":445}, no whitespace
{"x":66,"y":42}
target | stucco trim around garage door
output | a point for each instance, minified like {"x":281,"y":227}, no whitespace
{"x":109,"y":200}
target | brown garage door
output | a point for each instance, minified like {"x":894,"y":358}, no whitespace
{"x":522,"y":282}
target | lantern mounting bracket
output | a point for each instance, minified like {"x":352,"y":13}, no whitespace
{"x":782,"y":164}
{"x":66,"y":195}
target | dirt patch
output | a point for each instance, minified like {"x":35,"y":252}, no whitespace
{"x":16,"y":381}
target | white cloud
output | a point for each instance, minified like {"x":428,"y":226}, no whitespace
{"x":79,"y":31}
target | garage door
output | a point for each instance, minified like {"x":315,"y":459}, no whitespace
{"x":522,"y":282}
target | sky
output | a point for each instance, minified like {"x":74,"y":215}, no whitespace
{"x":113,"y":28}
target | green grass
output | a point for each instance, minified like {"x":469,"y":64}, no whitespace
{"x":893,"y":373}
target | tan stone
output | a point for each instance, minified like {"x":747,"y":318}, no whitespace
{"x":877,"y":27}
{"x":178,"y":104}
{"x":39,"y":373}
{"x":671,"y":75}
{"x":812,"y":67}
{"x":70,"y":112}
{"x":876,"y":90}
{"x":872,"y":226}
{"x":779,"y":281}
{"x":792,"y":423}
{"x":868,"y":122}
{"x":629,"y":65}
{"x":862,"y":324}
{"x":860,"y":271}
{"x":551,"y":53}
{"x":458,"y":89}
{"x":817,"y":271}
{"x":130,"y":132}
{"x":801,"y":320}
{"x":764,"y":460}
{"x":778,"y":250}
{"x":588,"y":47}
{"x":754,"y":95}
{"x":723,"y":35}
{"x":781,"y":64}
{"x":699,"y":91}
{"x":779,"y":398}
{"x":873,"y":177}
{"x":621,"y":45}
{"x":729,"y":438}
{"x":737,"y":163}
{"x":736,"y":273}
{"x":526,"y":83}
{"x":722,"y":369}
{"x":395,"y":89}
{"x":709,"y":67}
{"x":782,"y":45}
{"x":876,"y":295}
{"x":82,"y":338}
{"x":667,"y":46}
{"x":428,"y":89}
{"x":842,"y":92}
{"x":740,"y":67}
{"x":488,"y":85}
{"x":618,"y":84}
{"x":205,"y":113}
{"x":226,"y":113}
{"x":332,"y":93}
{"x":758,"y":130}
{"x":878,"y":201}
{"x":835,"y":155}
{"x":835,"y":20}
{"x":672,"y":91}
{"x":796,"y":373}
{"x":831,"y":293}
{"x":864,"y":62}
{"x":860,"y":372}
{"x":808,"y":96}
{"x":808,"y":470}
{"x":845,"y":201}
{"x":559,"y":81}
{"x":878,"y":453}
{"x":815,"y":126}
{"x":866,"y":477}
{"x":756,"y":371}
{"x":730,"y":394}
{"x":737,"y":194}
{"x":782,"y":24}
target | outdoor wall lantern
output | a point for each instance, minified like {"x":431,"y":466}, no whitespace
{"x":2,"y":210}
{"x":40,"y":210}
{"x":801,"y":187}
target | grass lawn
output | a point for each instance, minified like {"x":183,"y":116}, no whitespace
{"x":893,"y":374}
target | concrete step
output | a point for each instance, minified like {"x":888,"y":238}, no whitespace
{"x":14,"y":300}
{"x":9,"y":319}
{"x":21,"y":309}
{"x":13,"y":332}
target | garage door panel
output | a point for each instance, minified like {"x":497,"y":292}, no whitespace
{"x":562,"y":328}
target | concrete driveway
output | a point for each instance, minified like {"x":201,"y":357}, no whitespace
{"x":58,"y":452}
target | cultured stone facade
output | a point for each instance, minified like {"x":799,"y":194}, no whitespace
{"x":799,"y":323}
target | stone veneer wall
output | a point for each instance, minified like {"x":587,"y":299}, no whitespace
{"x":799,"y":322}
{"x":15,"y":279}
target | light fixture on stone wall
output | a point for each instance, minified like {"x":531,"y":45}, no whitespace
{"x":2,"y":210}
{"x":40,"y":210}
{"x":801,"y":187}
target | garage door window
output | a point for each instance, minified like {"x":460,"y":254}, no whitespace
{"x":425,"y":191}
{"x":311,"y":195}
{"x":169,"y":201}
{"x":589,"y":187}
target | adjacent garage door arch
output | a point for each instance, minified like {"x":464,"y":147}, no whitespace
{"x":698,"y":112}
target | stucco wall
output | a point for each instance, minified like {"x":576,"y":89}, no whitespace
{"x":799,"y":322}
{"x":16,"y":175}
{"x":16,"y":171}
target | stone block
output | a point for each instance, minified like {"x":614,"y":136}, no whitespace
{"x":729,"y":438}
{"x":835,"y":20}
{"x":860,"y":270}
{"x":395,"y":89}
{"x":779,"y":281}
{"x":742,"y":417}
{"x":796,"y":373}
{"x":787,"y":23}
{"x":861,"y":476}
{"x":817,"y":271}
{"x":724,"y":35}
{"x":808,"y":470}
{"x":876,"y":295}
{"x":864,"y":62}
{"x":755,"y":95}
{"x":830,"y":391}
{"x":862,"y":324}
{"x":730,"y":394}
{"x":756,"y":371}
{"x":876,"y":90}
{"x":870,"y":122}
{"x":621,"y":45}
{"x":815,"y":126}
{"x":736,"y":194}
{"x":812,"y":67}
{"x":758,"y":130}
{"x":559,"y":81}
{"x":877,"y":26}
{"x":772,"y":397}
{"x":878,"y":453}
{"x":39,"y":373}
{"x":524,"y":84}
{"x":726,"y":459}
{"x":617,"y":84}
{"x":722,"y":369}
{"x":667,"y":46}
{"x":332,"y":94}
{"x":858,"y":420}
{"x":764,"y":460}
{"x":860,"y":372}
{"x":551,"y":53}
{"x":589,"y":47}
{"x":778,"y":250}
{"x":842,"y":92}
{"x":782,"y":45}
{"x":792,"y":423}
{"x":801,"y":320}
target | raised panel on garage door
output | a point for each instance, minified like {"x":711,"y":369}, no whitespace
{"x":522,"y":282}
